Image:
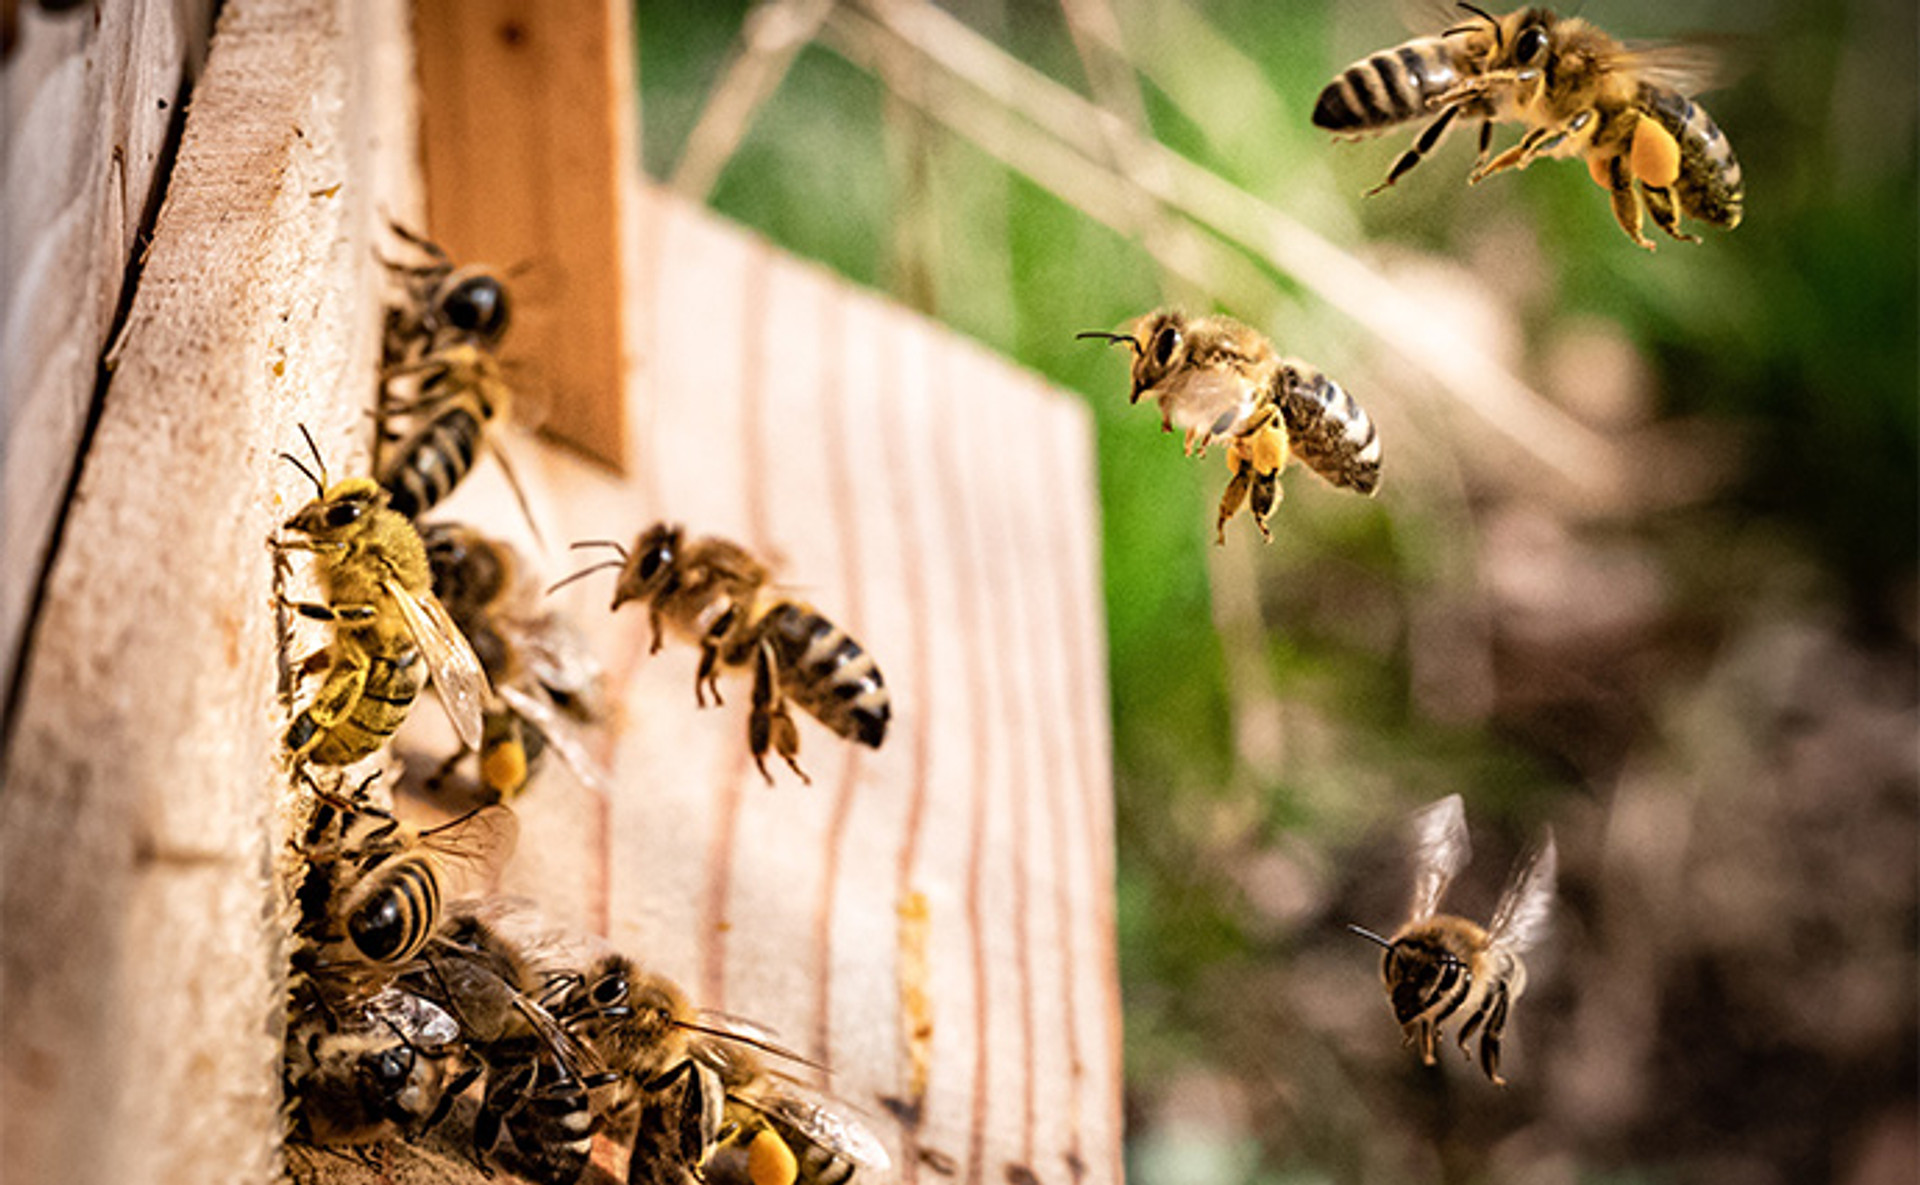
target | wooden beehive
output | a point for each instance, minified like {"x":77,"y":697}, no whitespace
{"x":933,"y":920}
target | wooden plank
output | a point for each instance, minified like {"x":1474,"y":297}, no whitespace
{"x":142,"y":970}
{"x":528,"y":128}
{"x":88,"y":103}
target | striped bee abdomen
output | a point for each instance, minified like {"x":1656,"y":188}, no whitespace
{"x":427,"y":466}
{"x":391,"y":686}
{"x":1329,"y":432}
{"x":828,"y":674}
{"x":1425,"y":981}
{"x":1710,"y":186}
{"x":398,"y":912}
{"x":1390,"y":87}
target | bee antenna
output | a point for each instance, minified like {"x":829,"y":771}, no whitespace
{"x":599,"y":543}
{"x":1484,"y":15}
{"x":319,"y":462}
{"x":305,"y":472}
{"x":586,"y":571}
{"x":1111,"y":338}
{"x":738,"y":1038}
{"x":1369,"y":935}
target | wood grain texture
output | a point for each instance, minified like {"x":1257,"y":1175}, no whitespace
{"x":528,"y":128}
{"x":142,"y":971}
{"x":88,"y":103}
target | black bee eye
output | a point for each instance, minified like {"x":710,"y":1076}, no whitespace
{"x":610,"y":990}
{"x":1530,"y":45}
{"x":477,"y":305}
{"x":390,"y":1068}
{"x":344,"y":514}
{"x":652,"y":560}
{"x":1164,"y":344}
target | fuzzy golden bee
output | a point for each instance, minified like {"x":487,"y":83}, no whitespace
{"x":1439,"y":966}
{"x":1624,"y":110}
{"x":776,"y":1131}
{"x":375,"y":888}
{"x":386,"y":622}
{"x":1221,"y":382}
{"x":548,"y":688}
{"x":714,"y":593}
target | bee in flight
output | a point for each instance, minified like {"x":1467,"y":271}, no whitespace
{"x":374,"y":888}
{"x":372,"y":568}
{"x":1220,"y":381}
{"x":1577,"y":91}
{"x":715,"y":594}
{"x":1438,"y":966}
{"x":547,"y":685}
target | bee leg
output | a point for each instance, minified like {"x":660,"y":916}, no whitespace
{"x":337,"y":697}
{"x":1536,"y":143}
{"x":1266,"y":496}
{"x":1659,"y":201}
{"x":1486,"y":143}
{"x":708,"y":676}
{"x":1235,"y":495}
{"x":1429,"y":137}
{"x":770,"y":724}
{"x":1490,"y":1040}
{"x":653,"y":620}
{"x":1626,"y":203}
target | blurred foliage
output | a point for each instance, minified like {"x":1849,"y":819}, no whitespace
{"x":1705,"y":681}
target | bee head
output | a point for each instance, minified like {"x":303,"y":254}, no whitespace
{"x":1156,"y":342}
{"x":340,"y":510}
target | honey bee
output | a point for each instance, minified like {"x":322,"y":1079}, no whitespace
{"x":536,"y":1115}
{"x":715,"y":594}
{"x":547,"y":685}
{"x":460,"y":394}
{"x":1578,"y":91}
{"x":372,"y":568}
{"x":1218,"y":381}
{"x":375,"y":888}
{"x":1438,"y":965}
{"x":443,"y":302}
{"x":363,"y":1070}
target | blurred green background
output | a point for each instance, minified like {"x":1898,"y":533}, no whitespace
{"x":1642,"y":566}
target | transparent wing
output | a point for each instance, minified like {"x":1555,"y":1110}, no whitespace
{"x":451,"y":663}
{"x":1686,"y":67}
{"x":821,"y":1120}
{"x":561,"y":733}
{"x":1207,"y":400}
{"x":1521,"y":919}
{"x":474,"y":844}
{"x":1440,"y":850}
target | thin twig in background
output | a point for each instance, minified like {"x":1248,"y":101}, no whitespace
{"x":771,"y":38}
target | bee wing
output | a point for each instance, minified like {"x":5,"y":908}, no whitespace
{"x":558,"y":658}
{"x":476,"y":842}
{"x":1440,"y":850}
{"x":822,"y":1120}
{"x":451,"y":662}
{"x":1686,"y":67}
{"x":1526,"y":906}
{"x":561,"y":733}
{"x":723,"y":1027}
{"x":415,"y":1019}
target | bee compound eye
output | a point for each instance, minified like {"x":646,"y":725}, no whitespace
{"x":478,"y":305}
{"x":610,"y":990}
{"x":652,"y":560}
{"x":344,"y":514}
{"x":1531,"y":43}
{"x":1165,"y":343}
{"x":390,"y":1068}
